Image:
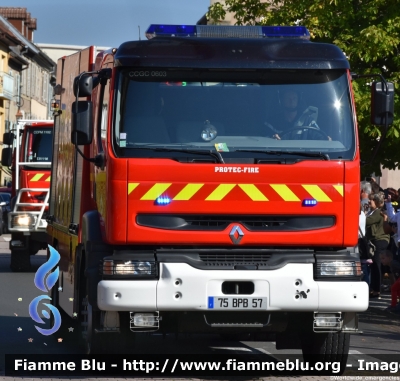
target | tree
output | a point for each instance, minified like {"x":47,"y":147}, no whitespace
{"x":368,"y":32}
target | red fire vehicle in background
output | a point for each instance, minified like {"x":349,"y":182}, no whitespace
{"x":29,"y":154}
{"x":176,"y":208}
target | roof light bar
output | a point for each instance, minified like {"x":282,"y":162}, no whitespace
{"x":227,"y":31}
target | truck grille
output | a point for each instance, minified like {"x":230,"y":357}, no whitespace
{"x":219,"y":259}
{"x":219,"y":223}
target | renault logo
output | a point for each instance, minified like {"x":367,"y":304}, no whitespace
{"x":236,"y":235}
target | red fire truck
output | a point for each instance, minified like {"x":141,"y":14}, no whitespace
{"x":29,"y":154}
{"x":183,"y":199}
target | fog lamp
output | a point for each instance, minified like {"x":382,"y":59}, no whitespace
{"x":145,"y":320}
{"x":327,"y":321}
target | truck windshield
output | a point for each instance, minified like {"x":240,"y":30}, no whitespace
{"x":39,"y":144}
{"x":234,"y":112}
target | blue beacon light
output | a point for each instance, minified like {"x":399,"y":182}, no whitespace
{"x":172,"y":30}
{"x":163,"y":200}
{"x":309,"y":202}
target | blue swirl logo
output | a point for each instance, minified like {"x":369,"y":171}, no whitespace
{"x":45,"y":284}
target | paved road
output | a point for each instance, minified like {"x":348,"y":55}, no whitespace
{"x":381,"y":331}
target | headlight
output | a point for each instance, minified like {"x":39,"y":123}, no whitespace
{"x":331,"y":269}
{"x":130,"y":267}
{"x":134,"y":268}
{"x":23,"y":220}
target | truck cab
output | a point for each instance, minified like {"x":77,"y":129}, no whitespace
{"x":31,"y":150}
{"x":194,"y":209}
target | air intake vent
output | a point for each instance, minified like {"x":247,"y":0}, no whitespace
{"x":219,"y":259}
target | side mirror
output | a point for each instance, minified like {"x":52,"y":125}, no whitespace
{"x":8,"y":138}
{"x":82,"y":123}
{"x":6,"y":157}
{"x":83,"y":85}
{"x":3,"y":203}
{"x":382,"y":103}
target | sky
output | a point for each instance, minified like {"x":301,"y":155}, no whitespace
{"x":105,"y":23}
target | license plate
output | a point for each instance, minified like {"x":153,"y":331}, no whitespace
{"x":235,"y":303}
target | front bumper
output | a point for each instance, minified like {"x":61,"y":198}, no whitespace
{"x":185,"y":288}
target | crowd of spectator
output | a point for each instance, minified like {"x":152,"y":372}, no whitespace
{"x":379,"y":221}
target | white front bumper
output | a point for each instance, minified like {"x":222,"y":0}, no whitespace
{"x":194,"y":286}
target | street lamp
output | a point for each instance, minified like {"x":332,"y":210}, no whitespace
{"x":54,"y":105}
{"x":19,"y":115}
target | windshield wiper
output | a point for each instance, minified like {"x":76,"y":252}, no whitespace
{"x":299,"y":153}
{"x":215,"y":154}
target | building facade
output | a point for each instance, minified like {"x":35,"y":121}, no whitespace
{"x":25,"y":74}
{"x":57,"y":51}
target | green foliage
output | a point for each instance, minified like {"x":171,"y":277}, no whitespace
{"x":246,"y":12}
{"x":368,"y":32}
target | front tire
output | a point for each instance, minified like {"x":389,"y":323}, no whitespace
{"x":91,"y":341}
{"x":326,"y":347}
{"x":20,"y":261}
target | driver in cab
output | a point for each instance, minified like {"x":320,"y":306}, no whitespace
{"x":289,"y":123}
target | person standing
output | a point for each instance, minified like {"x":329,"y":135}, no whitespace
{"x":366,"y":190}
{"x":378,"y":237}
{"x":394,"y":217}
{"x":365,"y":261}
{"x":387,"y":260}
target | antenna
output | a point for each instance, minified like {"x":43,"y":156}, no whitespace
{"x":139,"y":33}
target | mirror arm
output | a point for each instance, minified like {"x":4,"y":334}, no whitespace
{"x":357,"y":76}
{"x":98,"y":161}
{"x":91,"y":160}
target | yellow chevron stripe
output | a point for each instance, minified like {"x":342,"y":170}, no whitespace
{"x":131,"y":187}
{"x":101,"y":177}
{"x":253,"y":192}
{"x":220,"y":192}
{"x":317,"y":193}
{"x":37,"y":177}
{"x":48,"y":179}
{"x":339,"y":188}
{"x":156,"y":191}
{"x":188,"y":192}
{"x":285,"y":192}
